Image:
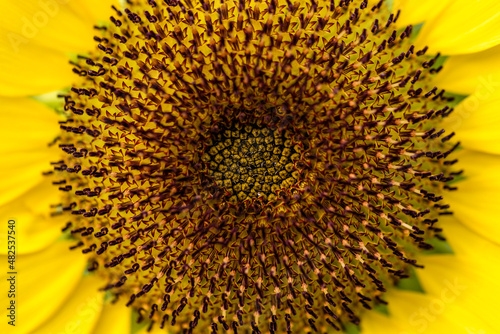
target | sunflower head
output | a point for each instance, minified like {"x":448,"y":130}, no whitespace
{"x":263,"y":166}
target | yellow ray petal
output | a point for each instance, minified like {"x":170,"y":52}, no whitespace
{"x":432,"y":312}
{"x":373,"y":322}
{"x":463,"y":27}
{"x":466,"y":279}
{"x":22,"y":171}
{"x":34,"y":71}
{"x":35,"y":38}
{"x":475,"y":203}
{"x":475,"y":73}
{"x":459,"y":291}
{"x":94,"y":11}
{"x":80,"y":312}
{"x":478,"y":250}
{"x":25,"y":131}
{"x":411,"y":313}
{"x":476,"y":121}
{"x":44,"y":281}
{"x":26,"y":124}
{"x":35,"y":229}
{"x":48,"y":23}
{"x":115,"y":319}
{"x":417,"y":11}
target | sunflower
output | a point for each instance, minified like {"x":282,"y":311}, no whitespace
{"x":251,"y":166}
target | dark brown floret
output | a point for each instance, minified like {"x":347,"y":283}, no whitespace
{"x":345,"y":147}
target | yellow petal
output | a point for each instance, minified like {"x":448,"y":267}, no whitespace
{"x":448,"y":306}
{"x":411,"y":313}
{"x":22,"y":171}
{"x":460,"y":291}
{"x":465,"y":282}
{"x":33,"y":71}
{"x":35,"y":229}
{"x":463,"y":27}
{"x":115,"y":319}
{"x":48,"y":23}
{"x":475,"y":73}
{"x":35,"y":38}
{"x":476,"y":121}
{"x":26,"y":129}
{"x":81,"y":311}
{"x":26,"y":124}
{"x":94,"y":11}
{"x":373,"y":322}
{"x":417,"y":11}
{"x":475,"y":203}
{"x":44,"y":282}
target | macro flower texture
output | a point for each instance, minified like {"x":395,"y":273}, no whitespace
{"x":250,"y":166}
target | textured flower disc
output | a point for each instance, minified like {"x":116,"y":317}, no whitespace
{"x":253,"y":166}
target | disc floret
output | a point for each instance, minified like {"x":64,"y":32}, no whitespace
{"x":254,"y":165}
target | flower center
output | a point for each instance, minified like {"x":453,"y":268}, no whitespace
{"x":251,"y":161}
{"x":261,"y":166}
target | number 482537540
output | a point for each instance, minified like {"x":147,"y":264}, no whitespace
{"x":11,"y":244}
